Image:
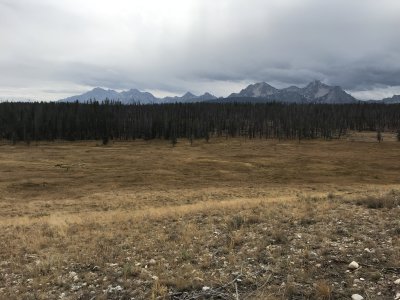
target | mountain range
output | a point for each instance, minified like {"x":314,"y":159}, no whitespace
{"x":314,"y":92}
{"x":134,"y":96}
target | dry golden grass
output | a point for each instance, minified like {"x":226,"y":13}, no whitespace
{"x":248,"y":219}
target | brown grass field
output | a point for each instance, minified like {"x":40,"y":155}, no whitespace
{"x":228,"y":219}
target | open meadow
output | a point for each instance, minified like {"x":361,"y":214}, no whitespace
{"x":228,"y":219}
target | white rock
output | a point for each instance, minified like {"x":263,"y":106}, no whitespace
{"x":205,"y":288}
{"x":397,"y":296}
{"x":111,"y":289}
{"x":118,"y":288}
{"x":152,"y":261}
{"x":357,"y":297}
{"x":72,"y":274}
{"x":75,"y":287}
{"x":397,"y":281}
{"x":353,"y":265}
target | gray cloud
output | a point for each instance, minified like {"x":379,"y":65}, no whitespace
{"x":174,"y":46}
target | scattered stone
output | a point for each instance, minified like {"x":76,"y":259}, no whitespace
{"x":74,"y":276}
{"x":116,"y":289}
{"x":205,"y":288}
{"x":353,"y":265}
{"x":96,"y":268}
{"x":75,"y":287}
{"x":397,"y":281}
{"x":357,"y":297}
{"x":152,"y":262}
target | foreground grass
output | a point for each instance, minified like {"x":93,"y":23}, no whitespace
{"x":225,"y":220}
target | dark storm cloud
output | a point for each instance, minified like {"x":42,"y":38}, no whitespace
{"x":174,"y":46}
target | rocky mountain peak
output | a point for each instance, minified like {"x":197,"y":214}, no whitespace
{"x":188,"y":95}
{"x":98,"y":89}
{"x":259,"y":89}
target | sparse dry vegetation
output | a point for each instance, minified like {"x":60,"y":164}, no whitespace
{"x":389,"y":201}
{"x":228,"y":219}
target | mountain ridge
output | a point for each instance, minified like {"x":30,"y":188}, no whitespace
{"x":134,"y":96}
{"x":315,"y":92}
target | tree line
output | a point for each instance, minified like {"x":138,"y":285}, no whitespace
{"x":111,"y":120}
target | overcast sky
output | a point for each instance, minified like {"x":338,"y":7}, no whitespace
{"x":52,"y":49}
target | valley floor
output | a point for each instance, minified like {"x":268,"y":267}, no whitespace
{"x":228,"y":219}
